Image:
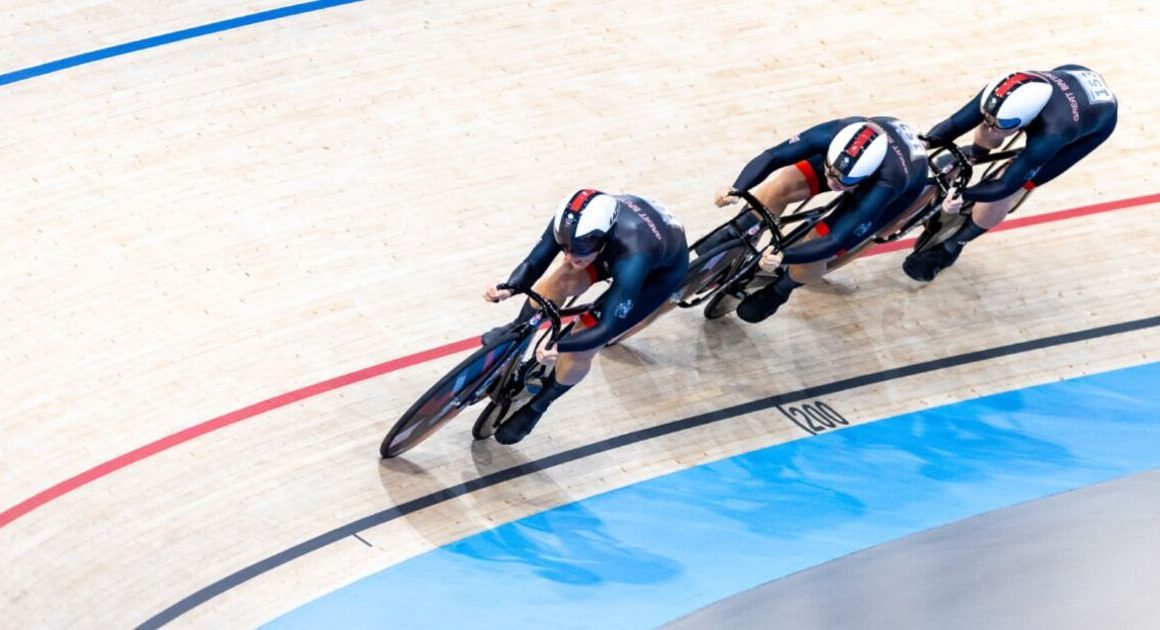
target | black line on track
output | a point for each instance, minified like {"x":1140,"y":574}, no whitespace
{"x":447,"y":494}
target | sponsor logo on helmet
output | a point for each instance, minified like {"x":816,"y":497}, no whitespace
{"x":1004,"y":89}
{"x":1012,"y":82}
{"x":580,"y":199}
{"x":860,"y":141}
{"x":623,"y":309}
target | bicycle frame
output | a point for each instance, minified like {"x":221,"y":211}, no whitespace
{"x":548,"y":309}
{"x":750,"y":237}
{"x":513,"y":378}
{"x":944,"y":179}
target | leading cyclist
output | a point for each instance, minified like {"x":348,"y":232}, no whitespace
{"x":632,"y":241}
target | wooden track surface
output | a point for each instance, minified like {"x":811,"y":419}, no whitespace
{"x":197,"y":227}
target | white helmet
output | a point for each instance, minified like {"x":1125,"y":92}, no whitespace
{"x":1013,"y":100}
{"x":856,"y":152}
{"x":584,"y":220}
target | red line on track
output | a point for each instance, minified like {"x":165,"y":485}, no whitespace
{"x":245,"y":413}
{"x":270,"y":404}
{"x":1048,"y":217}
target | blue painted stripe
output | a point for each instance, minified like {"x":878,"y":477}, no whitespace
{"x":168,"y":38}
{"x":642,"y":555}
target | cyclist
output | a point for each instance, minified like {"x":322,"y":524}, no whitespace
{"x":878,"y":162}
{"x":630,"y":240}
{"x":1065,"y":113}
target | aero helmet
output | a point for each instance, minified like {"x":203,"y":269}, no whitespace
{"x":1013,"y":100}
{"x":856,"y":153}
{"x":583,"y":221}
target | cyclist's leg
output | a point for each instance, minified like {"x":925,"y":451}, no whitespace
{"x":926,"y":196}
{"x":764,"y":302}
{"x":566,"y":281}
{"x":853,"y":228}
{"x":669,"y":277}
{"x":846,"y":225}
{"x":571,"y":368}
{"x":656,"y":293}
{"x":807,"y":180}
{"x":791,"y":185}
{"x":986,"y":215}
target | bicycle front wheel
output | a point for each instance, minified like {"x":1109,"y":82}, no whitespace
{"x":721,"y":305}
{"x":462,"y":386}
{"x":938,"y":229}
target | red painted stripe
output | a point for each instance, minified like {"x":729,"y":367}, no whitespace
{"x":1047,"y":217}
{"x":198,"y":430}
{"x":185,"y":435}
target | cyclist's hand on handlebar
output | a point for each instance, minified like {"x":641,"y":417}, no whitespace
{"x":725,"y":197}
{"x":495,"y":294}
{"x":953,"y":202}
{"x":769,"y":260}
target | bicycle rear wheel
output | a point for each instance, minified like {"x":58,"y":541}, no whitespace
{"x":463,"y":386}
{"x":709,"y":270}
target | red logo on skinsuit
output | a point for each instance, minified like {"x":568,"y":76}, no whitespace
{"x":580,"y":199}
{"x":860,"y":141}
{"x":1012,"y":82}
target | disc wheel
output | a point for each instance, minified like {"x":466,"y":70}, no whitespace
{"x":461,"y":387}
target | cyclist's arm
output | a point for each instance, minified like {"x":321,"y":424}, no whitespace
{"x":1039,"y":151}
{"x":537,"y":262}
{"x":843,"y":229}
{"x":808,"y":143}
{"x":960,"y":122}
{"x":628,"y":276}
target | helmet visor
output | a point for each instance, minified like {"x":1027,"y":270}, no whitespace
{"x":832,"y":172}
{"x":999,"y":123}
{"x":584,"y":246}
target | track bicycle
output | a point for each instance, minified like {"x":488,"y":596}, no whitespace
{"x":939,"y":226}
{"x":505,"y":370}
{"x":724,"y":273}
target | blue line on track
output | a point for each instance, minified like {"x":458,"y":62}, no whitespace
{"x":168,"y":38}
